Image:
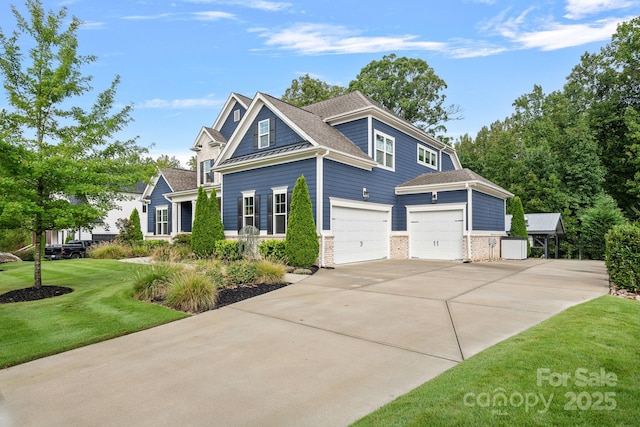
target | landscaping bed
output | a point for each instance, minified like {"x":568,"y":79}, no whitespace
{"x":230,"y":295}
{"x":33,"y":294}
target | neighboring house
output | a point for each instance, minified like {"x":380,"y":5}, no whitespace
{"x":106,"y":228}
{"x":380,"y":187}
{"x":168,"y":204}
{"x":542,"y":229}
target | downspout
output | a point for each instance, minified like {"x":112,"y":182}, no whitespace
{"x":469,"y":219}
{"x":320,"y":202}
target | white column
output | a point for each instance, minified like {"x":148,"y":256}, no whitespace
{"x":175,"y":218}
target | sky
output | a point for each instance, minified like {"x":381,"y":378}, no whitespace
{"x":179,"y":60}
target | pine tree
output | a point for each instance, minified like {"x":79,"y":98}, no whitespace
{"x":302,"y":245}
{"x":518,"y":223}
{"x":135,"y":231}
{"x":202,"y":239}
{"x":216,"y":220}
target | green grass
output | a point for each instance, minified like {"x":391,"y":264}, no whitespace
{"x":100,"y":307}
{"x":603,"y":334}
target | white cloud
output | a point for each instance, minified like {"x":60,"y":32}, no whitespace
{"x":269,"y":6}
{"x":89,"y":25}
{"x":578,"y":9}
{"x":315,"y":39}
{"x":199,"y":16}
{"x":559,"y":36}
{"x":187,"y":103}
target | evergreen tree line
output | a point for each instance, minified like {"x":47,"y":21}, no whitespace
{"x":575,"y":150}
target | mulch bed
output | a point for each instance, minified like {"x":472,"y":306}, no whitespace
{"x":235,"y":294}
{"x":33,"y":294}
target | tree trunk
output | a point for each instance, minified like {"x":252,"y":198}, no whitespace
{"x":39,"y":250}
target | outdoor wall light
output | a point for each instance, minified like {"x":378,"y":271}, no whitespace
{"x":365,"y":194}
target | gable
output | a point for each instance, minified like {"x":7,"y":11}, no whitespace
{"x":281,"y":134}
{"x":232,"y":120}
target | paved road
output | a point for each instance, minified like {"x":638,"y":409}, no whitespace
{"x":322,"y":352}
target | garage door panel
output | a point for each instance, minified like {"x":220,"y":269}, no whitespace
{"x":359,"y":234}
{"x":436,"y":234}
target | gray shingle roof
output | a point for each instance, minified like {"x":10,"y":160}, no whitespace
{"x":215,"y":134}
{"x":245,"y":99}
{"x":267,"y":153}
{"x":180,"y":179}
{"x":313,"y":125}
{"x":448,"y":177}
{"x":351,"y":101}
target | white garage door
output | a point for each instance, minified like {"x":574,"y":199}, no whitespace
{"x":436,"y":234}
{"x":359,"y":234}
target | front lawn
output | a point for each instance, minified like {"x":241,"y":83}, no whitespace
{"x":99,"y":308}
{"x":577,"y":368}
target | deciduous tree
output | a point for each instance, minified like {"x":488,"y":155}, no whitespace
{"x":51,"y":149}
{"x":306,"y":90}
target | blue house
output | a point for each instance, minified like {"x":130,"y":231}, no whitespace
{"x":380,"y":187}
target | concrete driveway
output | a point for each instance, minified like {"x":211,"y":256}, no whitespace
{"x":322,"y":352}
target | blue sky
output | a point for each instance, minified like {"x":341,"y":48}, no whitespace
{"x":180,"y":59}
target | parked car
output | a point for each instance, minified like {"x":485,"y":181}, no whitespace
{"x":71,"y":250}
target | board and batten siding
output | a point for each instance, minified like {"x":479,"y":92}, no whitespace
{"x":283,"y":135}
{"x":229,"y":126}
{"x":488,"y":212}
{"x":263,"y":180}
{"x":357,"y":132}
{"x":157,"y":199}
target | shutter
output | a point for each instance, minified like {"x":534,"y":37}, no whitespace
{"x":201,"y":173}
{"x":272,"y":131}
{"x":239,"y":213}
{"x":255,"y":135}
{"x":269,"y":213}
{"x":256,"y":211}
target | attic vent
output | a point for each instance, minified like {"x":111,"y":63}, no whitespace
{"x":236,"y":115}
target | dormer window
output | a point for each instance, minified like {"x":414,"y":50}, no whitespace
{"x":263,"y":133}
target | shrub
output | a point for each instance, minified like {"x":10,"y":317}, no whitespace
{"x":228,"y":250}
{"x":302,"y":245}
{"x":623,"y":256}
{"x":172,"y":253}
{"x":596,"y":222}
{"x":27,"y":254}
{"x":518,"y":223}
{"x":272,"y":249}
{"x":269,"y":272}
{"x":213,"y":270}
{"x":138,"y":251}
{"x":182,"y":239}
{"x":153,"y":244}
{"x":203,"y":241}
{"x":242,"y":272}
{"x":161,"y":254}
{"x":191,"y":292}
{"x":109,"y":250}
{"x":152,"y":282}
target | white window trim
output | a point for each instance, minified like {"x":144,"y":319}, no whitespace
{"x":207,"y":171}
{"x":245,"y":195}
{"x":158,"y":223}
{"x":431,"y":153}
{"x":236,"y":115}
{"x":393,"y":159}
{"x":278,"y":191}
{"x":261,"y":134}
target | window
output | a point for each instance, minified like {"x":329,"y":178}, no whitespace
{"x":263,"y":133}
{"x":384,"y":152}
{"x":162,"y":220}
{"x":236,"y":115}
{"x":280,"y":213}
{"x":247,"y":210}
{"x":206,"y":172}
{"x":427,"y":157}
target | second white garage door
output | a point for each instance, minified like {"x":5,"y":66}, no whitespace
{"x":359,"y":234}
{"x":436,"y":234}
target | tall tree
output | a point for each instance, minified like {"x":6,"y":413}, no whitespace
{"x":216,"y":221}
{"x":302,"y":246}
{"x":306,"y":90}
{"x":410,"y":88}
{"x":164,"y":161}
{"x":519,"y":223}
{"x":51,"y":150}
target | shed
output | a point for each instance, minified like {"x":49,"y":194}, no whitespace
{"x":541,"y":228}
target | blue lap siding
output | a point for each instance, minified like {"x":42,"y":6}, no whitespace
{"x":230,"y":125}
{"x":488,"y":212}
{"x":262,"y":181}
{"x":185,"y":216}
{"x":157,"y":199}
